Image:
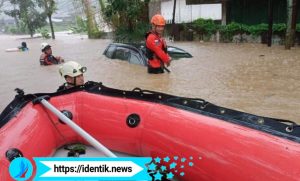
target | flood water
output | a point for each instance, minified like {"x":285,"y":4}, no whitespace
{"x":248,"y":77}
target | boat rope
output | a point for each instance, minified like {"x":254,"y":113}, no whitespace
{"x":143,"y":91}
{"x":291,"y":127}
{"x":185,"y":101}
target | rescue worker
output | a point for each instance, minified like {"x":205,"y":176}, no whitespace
{"x":23,"y":47}
{"x":47,"y":58}
{"x":72,"y":72}
{"x":156,"y":48}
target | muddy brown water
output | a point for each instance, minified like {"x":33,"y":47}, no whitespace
{"x":246,"y":77}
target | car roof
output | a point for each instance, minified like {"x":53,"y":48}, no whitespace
{"x":136,"y":45}
{"x":139,"y":46}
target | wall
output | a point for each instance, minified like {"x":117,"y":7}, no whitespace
{"x":188,"y":13}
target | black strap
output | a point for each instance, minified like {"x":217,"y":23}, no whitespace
{"x":150,"y":53}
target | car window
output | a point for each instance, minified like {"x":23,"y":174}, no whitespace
{"x":122,"y":54}
{"x":109,"y":52}
{"x":134,"y":59}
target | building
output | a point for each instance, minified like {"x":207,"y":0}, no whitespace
{"x":185,"y":13}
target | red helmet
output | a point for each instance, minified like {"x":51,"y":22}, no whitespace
{"x":158,"y":20}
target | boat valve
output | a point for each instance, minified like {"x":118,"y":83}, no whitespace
{"x":13,"y":153}
{"x":68,"y":114}
{"x":133,"y":120}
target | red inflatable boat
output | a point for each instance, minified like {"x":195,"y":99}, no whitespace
{"x":232,"y":145}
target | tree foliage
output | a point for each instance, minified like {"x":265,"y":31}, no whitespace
{"x":28,"y":12}
{"x":126,"y":17}
{"x":204,"y":27}
{"x":50,"y":7}
{"x":81,"y":25}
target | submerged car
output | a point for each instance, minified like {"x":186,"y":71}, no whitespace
{"x":135,"y":53}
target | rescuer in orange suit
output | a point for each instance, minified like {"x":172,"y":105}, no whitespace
{"x":156,"y":47}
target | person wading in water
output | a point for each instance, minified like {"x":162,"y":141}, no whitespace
{"x":156,"y":47}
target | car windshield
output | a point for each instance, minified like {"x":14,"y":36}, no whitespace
{"x":122,"y":54}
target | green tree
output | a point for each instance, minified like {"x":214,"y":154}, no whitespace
{"x":50,"y":8}
{"x":81,"y":25}
{"x":126,"y":16}
{"x":27,"y":11}
{"x":15,"y":13}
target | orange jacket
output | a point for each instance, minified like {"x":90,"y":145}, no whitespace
{"x":156,"y":47}
{"x":48,"y":60}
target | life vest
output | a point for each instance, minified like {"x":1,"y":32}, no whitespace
{"x":156,"y":50}
{"x":49,"y":60}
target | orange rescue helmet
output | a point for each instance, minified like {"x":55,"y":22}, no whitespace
{"x":158,"y":20}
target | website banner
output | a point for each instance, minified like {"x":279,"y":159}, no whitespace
{"x":125,"y":168}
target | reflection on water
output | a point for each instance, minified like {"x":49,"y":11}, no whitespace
{"x":247,"y":77}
